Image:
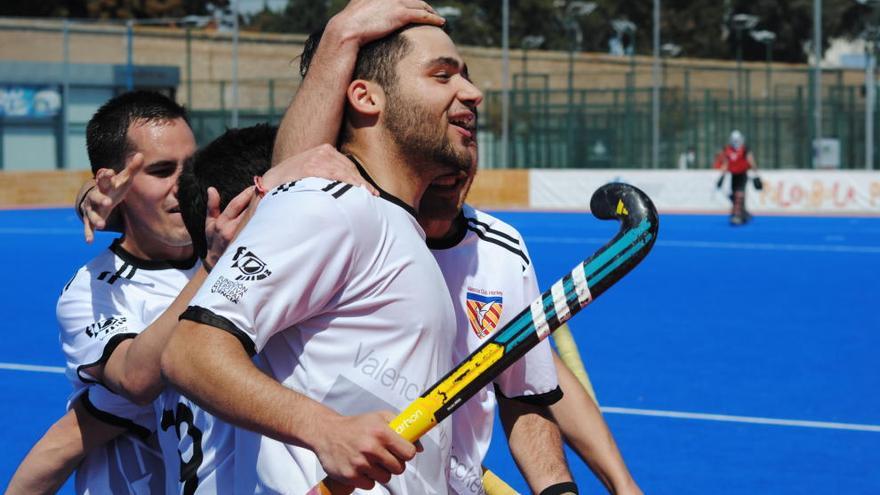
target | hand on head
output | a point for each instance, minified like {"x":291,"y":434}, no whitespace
{"x":221,"y":228}
{"x":368,"y":20}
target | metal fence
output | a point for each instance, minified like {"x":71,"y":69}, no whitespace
{"x":583,"y":110}
{"x":612,"y":128}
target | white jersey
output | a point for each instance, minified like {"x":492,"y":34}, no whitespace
{"x":337,"y":291}
{"x":112,"y":298}
{"x":490,"y":279}
{"x":198,"y":448}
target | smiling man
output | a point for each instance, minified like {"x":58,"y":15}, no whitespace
{"x":347,"y":286}
{"x":125,"y":289}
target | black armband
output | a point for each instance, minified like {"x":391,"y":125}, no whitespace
{"x":560,"y":488}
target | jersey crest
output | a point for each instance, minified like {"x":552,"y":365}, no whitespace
{"x":483,"y":313}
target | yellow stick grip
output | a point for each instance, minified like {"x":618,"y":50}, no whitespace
{"x":495,"y":485}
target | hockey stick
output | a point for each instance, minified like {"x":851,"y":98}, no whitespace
{"x":588,"y":280}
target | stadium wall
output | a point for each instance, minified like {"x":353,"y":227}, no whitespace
{"x":40,"y":189}
{"x":814,"y":192}
{"x":673,"y":191}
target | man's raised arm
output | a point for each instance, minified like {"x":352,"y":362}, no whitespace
{"x":315,"y":114}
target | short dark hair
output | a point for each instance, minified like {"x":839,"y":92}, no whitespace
{"x":107,"y":132}
{"x":228,"y":164}
{"x":375,"y":60}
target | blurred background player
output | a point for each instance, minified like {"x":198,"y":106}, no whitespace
{"x":737,"y":159}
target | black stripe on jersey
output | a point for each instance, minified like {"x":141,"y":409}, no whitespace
{"x":112,"y":419}
{"x":545,"y":399}
{"x":185,"y":264}
{"x":199,"y":314}
{"x":382,"y":193}
{"x":490,"y":230}
{"x":330,"y":186}
{"x":482,"y":235}
{"x":67,"y":285}
{"x":111,"y":346}
{"x":344,"y":189}
{"x":283,"y":187}
{"x":118,"y":273}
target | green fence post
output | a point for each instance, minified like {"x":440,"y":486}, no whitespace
{"x":629,"y":143}
{"x":777,"y":145}
{"x":707,"y":107}
{"x":750,"y":129}
{"x":223,"y":97}
{"x":804,"y":130}
{"x":189,"y":89}
{"x":272,"y":100}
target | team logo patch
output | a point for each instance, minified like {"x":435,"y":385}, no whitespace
{"x":483,"y":313}
{"x":104,"y":328}
{"x":250,"y":265}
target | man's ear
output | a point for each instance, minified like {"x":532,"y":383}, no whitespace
{"x":366,"y":97}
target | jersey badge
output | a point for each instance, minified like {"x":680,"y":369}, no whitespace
{"x":250,"y":265}
{"x":483,"y":313}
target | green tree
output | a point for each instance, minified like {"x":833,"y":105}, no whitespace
{"x":109,"y":9}
{"x":300,"y":16}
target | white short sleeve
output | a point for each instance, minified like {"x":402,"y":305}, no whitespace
{"x":92,"y":326}
{"x":286,"y":265}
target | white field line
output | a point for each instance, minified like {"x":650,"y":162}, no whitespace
{"x":606,"y":409}
{"x":755,"y":246}
{"x":740,"y":419}
{"x":31,"y":367}
{"x":38,"y":231}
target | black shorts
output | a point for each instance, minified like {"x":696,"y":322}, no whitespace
{"x":738,"y":182}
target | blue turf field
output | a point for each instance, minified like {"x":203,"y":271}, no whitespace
{"x":694,"y":356}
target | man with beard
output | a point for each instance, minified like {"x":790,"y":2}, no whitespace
{"x":337,"y":292}
{"x":487,"y":270}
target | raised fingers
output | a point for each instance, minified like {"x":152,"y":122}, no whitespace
{"x":213,"y":204}
{"x":130,"y":171}
{"x":88,"y":231}
{"x":238,"y":204}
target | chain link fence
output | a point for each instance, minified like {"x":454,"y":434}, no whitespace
{"x":567,"y":110}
